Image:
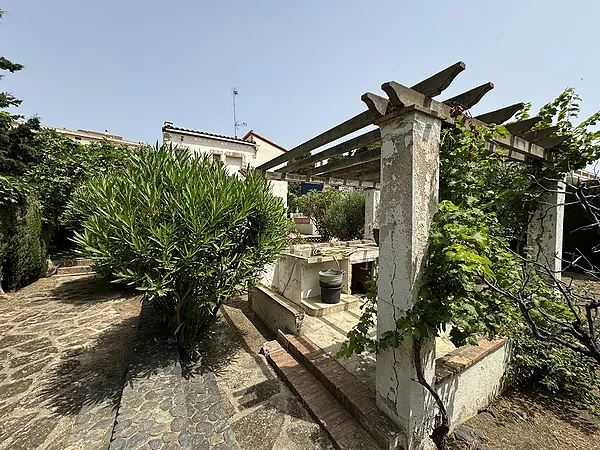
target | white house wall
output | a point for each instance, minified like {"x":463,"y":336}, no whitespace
{"x":199,"y":145}
{"x":266,"y":152}
{"x":250,"y":155}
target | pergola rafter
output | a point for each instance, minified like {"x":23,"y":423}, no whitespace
{"x":501,"y":115}
{"x":521,"y":144}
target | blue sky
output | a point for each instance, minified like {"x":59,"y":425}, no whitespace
{"x":300,"y":67}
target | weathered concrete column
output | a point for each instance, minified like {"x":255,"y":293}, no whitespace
{"x":409,"y":197}
{"x":371,"y":204}
{"x":545,"y":231}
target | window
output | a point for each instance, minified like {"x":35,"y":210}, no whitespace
{"x":234,"y":163}
{"x":216,"y":157}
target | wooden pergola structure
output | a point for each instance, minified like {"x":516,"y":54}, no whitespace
{"x":405,"y":171}
{"x":363,"y":169}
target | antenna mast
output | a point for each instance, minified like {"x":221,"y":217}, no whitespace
{"x":236,"y":124}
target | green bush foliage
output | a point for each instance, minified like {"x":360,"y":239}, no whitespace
{"x":335,"y":213}
{"x":182,"y":230}
{"x":557,"y":369}
{"x":315,"y":204}
{"x":22,"y":253}
{"x":345,"y":219}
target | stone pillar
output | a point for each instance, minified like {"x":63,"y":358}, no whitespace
{"x":371,"y":204}
{"x":545,"y":231}
{"x":409,"y":197}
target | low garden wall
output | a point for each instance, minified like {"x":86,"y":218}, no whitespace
{"x":471,"y":377}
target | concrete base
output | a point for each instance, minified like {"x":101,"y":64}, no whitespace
{"x":276,"y":312}
{"x":316,"y":308}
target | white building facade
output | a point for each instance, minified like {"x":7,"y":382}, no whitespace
{"x":235,"y":153}
{"x":87,"y":137}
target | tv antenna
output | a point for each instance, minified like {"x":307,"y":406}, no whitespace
{"x":236,"y":124}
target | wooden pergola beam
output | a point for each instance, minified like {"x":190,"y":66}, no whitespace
{"x":348,"y":161}
{"x":346,"y":146}
{"x":471,"y":97}
{"x":501,"y":115}
{"x":519,"y":145}
{"x":377,"y":105}
{"x":540,"y":134}
{"x":404,"y":97}
{"x":353,"y":171}
{"x":351,"y":125}
{"x":374,"y":176}
{"x":436,"y":84}
{"x":553,"y":141}
{"x":278,"y":176}
{"x":522,"y":126}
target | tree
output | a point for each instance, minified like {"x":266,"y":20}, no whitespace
{"x":345,"y":219}
{"x":16,"y":142}
{"x":6,"y":98}
{"x":561,"y":312}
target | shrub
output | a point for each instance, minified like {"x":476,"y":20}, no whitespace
{"x":183,"y":230}
{"x":315,"y":205}
{"x":22,"y":253}
{"x":557,"y":369}
{"x":345,"y":219}
{"x":335,"y":213}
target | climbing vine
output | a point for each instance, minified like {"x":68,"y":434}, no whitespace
{"x":477,"y":237}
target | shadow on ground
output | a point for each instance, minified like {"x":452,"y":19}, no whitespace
{"x":91,"y":289}
{"x":95,"y":373}
{"x":563,"y":407}
{"x":220,"y":346}
{"x":91,"y":374}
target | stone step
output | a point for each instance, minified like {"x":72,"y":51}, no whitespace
{"x":344,"y":430}
{"x":354,"y":395}
{"x":72,"y":270}
{"x":73,"y":262}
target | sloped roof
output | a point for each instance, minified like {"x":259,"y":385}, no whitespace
{"x":169,"y":127}
{"x":250,"y":134}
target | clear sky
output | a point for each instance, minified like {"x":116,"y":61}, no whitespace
{"x":300,"y":67}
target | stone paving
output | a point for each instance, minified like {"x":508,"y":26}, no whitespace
{"x":64,"y":347}
{"x":163,"y":409}
{"x":70,"y":377}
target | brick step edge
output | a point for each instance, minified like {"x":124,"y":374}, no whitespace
{"x":345,"y":432}
{"x":348,"y":390}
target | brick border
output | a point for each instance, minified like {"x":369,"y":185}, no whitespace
{"x":462,"y":358}
{"x":355,"y":396}
{"x":344,"y":431}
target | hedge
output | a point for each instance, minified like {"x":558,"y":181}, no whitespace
{"x":22,"y":252}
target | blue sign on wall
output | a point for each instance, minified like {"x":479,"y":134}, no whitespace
{"x":305,"y":187}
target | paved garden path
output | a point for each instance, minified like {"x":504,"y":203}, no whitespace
{"x":64,"y":346}
{"x":263,"y":413}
